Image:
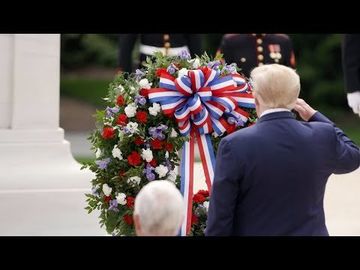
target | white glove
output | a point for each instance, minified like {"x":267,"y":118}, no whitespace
{"x":354,"y":101}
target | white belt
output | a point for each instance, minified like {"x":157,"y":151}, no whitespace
{"x":149,"y":50}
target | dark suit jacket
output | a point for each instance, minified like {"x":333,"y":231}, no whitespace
{"x":270,"y":178}
{"x":351,"y":62}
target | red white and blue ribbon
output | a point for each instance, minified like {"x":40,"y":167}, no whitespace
{"x":201,"y":102}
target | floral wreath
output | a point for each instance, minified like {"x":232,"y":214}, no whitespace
{"x":152,"y":115}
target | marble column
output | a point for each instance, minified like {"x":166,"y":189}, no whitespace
{"x":41,"y":185}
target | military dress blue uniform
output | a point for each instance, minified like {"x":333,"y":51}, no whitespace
{"x":168,"y":44}
{"x":252,"y":50}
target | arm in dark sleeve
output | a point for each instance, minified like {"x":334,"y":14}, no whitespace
{"x":351,"y":62}
{"x":126,"y":46}
{"x":347,"y":153}
{"x":195,"y":44}
{"x":224,"y":193}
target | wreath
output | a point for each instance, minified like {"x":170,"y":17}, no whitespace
{"x":151,"y":115}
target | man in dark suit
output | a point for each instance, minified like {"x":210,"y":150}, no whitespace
{"x":351,"y":68}
{"x":168,"y":44}
{"x":252,"y":50}
{"x":270,"y":178}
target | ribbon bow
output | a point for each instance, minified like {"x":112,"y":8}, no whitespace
{"x":201,"y":102}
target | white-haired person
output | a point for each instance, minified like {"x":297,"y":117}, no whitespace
{"x":159,"y":209}
{"x":270,"y":178}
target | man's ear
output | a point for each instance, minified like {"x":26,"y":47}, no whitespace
{"x":137,"y":225}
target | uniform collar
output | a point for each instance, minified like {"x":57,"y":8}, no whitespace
{"x":276,"y":115}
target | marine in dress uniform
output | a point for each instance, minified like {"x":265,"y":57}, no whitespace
{"x":168,"y":44}
{"x":251,"y":50}
{"x":351,"y":68}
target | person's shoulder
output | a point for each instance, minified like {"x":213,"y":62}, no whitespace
{"x":241,"y":135}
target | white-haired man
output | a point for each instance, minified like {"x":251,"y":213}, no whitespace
{"x":270,"y":178}
{"x":159,"y":209}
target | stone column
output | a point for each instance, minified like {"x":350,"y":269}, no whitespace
{"x":41,"y":185}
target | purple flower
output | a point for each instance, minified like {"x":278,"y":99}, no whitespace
{"x":185,"y":55}
{"x":237,"y":121}
{"x":148,"y":172}
{"x":139,"y":74}
{"x":111,"y":111}
{"x":94,"y":191}
{"x":168,"y":164}
{"x":171,"y":69}
{"x":214,"y":64}
{"x":230,"y":68}
{"x":114,"y":205}
{"x":103,"y":163}
{"x":140,"y":100}
{"x":157,"y":132}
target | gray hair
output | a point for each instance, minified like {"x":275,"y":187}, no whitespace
{"x":277,"y":86}
{"x":160,"y":207}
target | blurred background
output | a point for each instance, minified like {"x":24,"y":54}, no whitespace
{"x":89,"y":62}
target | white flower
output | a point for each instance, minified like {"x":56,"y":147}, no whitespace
{"x":144,"y":83}
{"x":106,"y":189}
{"x":206,"y":205}
{"x":196,"y":63}
{"x":182,"y":72}
{"x":98,"y":153}
{"x":130,"y":110}
{"x":132,"y":127}
{"x":116,"y":153}
{"x":147,"y":155}
{"x":121,"y":198}
{"x":172,"y":176}
{"x":173,"y":133}
{"x":161,"y":170}
{"x":155,"y":109}
{"x":135,"y":180}
{"x":166,"y":154}
{"x":119,"y":89}
{"x":133,"y":90}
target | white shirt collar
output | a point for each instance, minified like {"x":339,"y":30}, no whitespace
{"x":274,"y":110}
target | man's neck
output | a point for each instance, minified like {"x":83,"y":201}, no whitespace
{"x":273,"y":110}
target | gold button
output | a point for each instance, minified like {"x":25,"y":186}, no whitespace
{"x":167,"y":44}
{"x":260,"y":49}
{"x":243,"y":59}
{"x":166,"y":37}
{"x":260,"y":57}
{"x":259,"y":41}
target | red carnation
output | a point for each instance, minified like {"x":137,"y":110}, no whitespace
{"x":108,"y":133}
{"x":199,"y":198}
{"x":120,"y":100}
{"x":153,"y":163}
{"x":138,"y":141}
{"x":169,"y":147}
{"x":141,"y":116}
{"x":205,"y":193}
{"x":156,"y":144}
{"x":130,"y":201}
{"x":143,"y":92}
{"x":160,"y":71}
{"x":122,"y":119}
{"x":128,"y":219}
{"x":107,"y":199}
{"x":134,"y":158}
{"x":194,"y":219}
{"x":231,"y":129}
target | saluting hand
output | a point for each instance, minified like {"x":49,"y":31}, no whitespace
{"x":304,"y":109}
